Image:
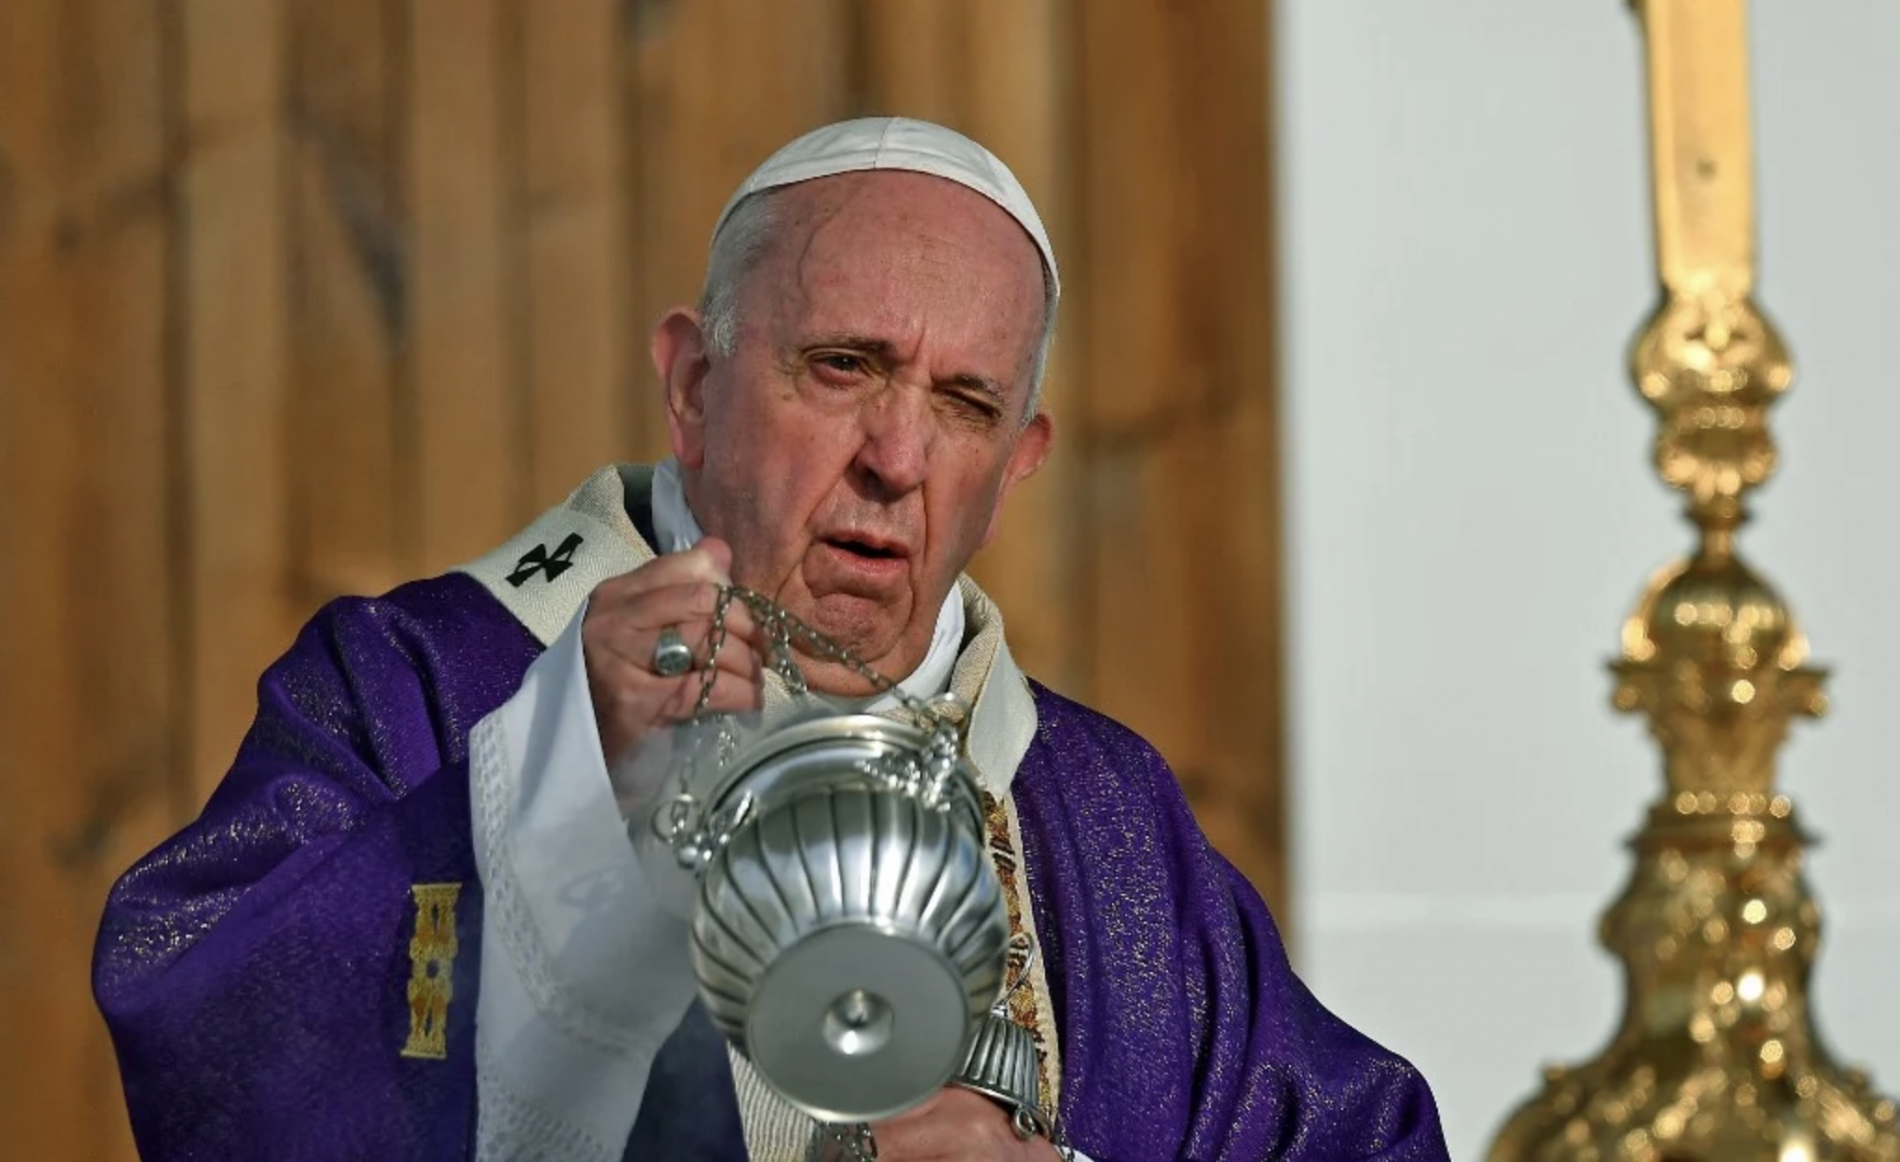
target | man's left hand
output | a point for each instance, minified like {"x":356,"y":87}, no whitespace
{"x":957,"y":1125}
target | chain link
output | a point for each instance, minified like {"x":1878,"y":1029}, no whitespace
{"x":782,"y":628}
{"x":855,"y":1137}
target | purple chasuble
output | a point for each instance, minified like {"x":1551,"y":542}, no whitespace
{"x":256,"y":970}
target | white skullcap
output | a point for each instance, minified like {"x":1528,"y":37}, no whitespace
{"x":900,"y":143}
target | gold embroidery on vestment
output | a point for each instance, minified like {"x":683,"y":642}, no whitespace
{"x":1022,"y":1002}
{"x":432,"y":964}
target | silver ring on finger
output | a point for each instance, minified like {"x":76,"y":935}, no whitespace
{"x":671,"y":655}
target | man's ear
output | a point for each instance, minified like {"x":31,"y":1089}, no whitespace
{"x":681,"y":357}
{"x":1032,"y":448}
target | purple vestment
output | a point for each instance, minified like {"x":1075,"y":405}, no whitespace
{"x":255,"y":969}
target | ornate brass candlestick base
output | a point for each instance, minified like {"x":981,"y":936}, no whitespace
{"x":1717,"y":1058}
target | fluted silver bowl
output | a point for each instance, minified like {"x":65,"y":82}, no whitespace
{"x":850,"y":932}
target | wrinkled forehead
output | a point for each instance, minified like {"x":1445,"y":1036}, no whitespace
{"x":891,"y":207}
{"x":882,"y":244}
{"x":872,"y":208}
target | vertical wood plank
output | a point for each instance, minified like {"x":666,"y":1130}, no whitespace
{"x":1133,"y":388}
{"x":88,"y":760}
{"x":1179,"y":437}
{"x":710,"y":102}
{"x":579,"y":334}
{"x":467,"y":466}
{"x":1247,"y":788}
{"x":1012,"y":72}
{"x":349,"y":289}
{"x":900,"y":80}
{"x":234,"y":395}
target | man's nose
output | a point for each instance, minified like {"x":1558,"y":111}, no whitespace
{"x":899,"y":429}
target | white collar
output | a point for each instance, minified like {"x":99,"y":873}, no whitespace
{"x":676,"y":529}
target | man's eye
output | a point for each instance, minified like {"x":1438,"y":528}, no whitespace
{"x":841,"y":362}
{"x":976,"y":404}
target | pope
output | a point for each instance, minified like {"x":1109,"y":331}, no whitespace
{"x":411,"y":923}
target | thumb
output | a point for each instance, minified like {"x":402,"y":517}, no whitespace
{"x":719,"y":552}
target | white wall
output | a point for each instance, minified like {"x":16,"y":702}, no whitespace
{"x":1465,"y":220}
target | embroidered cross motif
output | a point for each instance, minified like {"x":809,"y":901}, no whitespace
{"x":432,"y":963}
{"x":539,"y":560}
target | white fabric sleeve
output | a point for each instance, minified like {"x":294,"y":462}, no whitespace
{"x":584,"y":971}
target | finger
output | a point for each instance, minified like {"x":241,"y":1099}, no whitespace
{"x":660,"y":605}
{"x":741,"y":628}
{"x":630,"y":701}
{"x":680,"y":606}
{"x":720,"y":552}
{"x":953,"y":1123}
{"x":731,"y":694}
{"x":636,"y":647}
{"x":710,"y":561}
{"x":739,"y":654}
{"x":922,"y":1112}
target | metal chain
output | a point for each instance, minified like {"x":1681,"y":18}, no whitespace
{"x":715,"y":641}
{"x":782,"y":627}
{"x":1059,"y":1138}
{"x":696,"y":839}
{"x":856,"y":1139}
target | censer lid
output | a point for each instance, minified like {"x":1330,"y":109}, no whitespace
{"x":824,"y":744}
{"x":868,"y":727}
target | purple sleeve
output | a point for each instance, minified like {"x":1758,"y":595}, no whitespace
{"x":254,"y":969}
{"x":1184,"y":1032}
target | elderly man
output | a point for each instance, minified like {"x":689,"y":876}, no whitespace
{"x":411,"y":923}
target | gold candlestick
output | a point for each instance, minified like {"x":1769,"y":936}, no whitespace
{"x":1717,"y":1057}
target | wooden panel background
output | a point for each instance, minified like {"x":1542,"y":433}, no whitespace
{"x":306,"y":297}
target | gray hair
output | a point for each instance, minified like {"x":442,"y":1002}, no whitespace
{"x":743,"y":241}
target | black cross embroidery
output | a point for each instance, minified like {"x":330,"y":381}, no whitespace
{"x":539,"y":560}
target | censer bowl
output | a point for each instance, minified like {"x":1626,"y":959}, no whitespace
{"x":850,"y":933}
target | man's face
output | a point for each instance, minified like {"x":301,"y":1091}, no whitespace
{"x":856,"y":446}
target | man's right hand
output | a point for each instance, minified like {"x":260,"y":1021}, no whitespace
{"x":624,"y":618}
